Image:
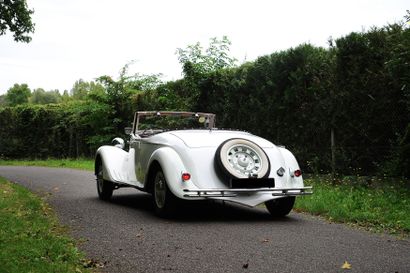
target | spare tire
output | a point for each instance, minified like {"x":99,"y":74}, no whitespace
{"x":241,"y":158}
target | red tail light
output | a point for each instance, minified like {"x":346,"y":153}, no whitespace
{"x":186,"y":176}
{"x":298,"y":173}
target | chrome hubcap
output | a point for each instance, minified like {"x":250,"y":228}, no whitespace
{"x":244,"y":160}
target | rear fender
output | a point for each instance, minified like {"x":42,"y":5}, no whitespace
{"x":172,"y":167}
{"x":118,"y":165}
{"x":291,"y":166}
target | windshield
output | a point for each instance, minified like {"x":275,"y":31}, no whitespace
{"x":148,"y":123}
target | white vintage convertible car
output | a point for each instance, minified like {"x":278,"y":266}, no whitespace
{"x":198,"y":164}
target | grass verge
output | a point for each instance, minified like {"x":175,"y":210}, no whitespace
{"x":83,"y":164}
{"x":376,"y":204}
{"x":31,"y":240}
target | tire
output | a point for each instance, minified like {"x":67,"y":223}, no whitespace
{"x":241,"y":158}
{"x":280,"y":207}
{"x":104,"y":187}
{"x":165,"y":202}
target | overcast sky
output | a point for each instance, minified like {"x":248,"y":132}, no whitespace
{"x":84,"y":39}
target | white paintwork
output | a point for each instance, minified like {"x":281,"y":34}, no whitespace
{"x":118,"y":164}
{"x":193,"y":151}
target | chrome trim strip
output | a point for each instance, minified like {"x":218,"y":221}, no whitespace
{"x":234,"y":192}
{"x":201,"y":194}
{"x":248,"y":190}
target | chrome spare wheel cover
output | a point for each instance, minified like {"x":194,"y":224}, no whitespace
{"x":160,"y":190}
{"x":244,"y":160}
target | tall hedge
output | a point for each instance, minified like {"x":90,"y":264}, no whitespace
{"x":356,"y":91}
{"x":63,"y":130}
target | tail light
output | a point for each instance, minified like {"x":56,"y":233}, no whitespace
{"x":186,"y":176}
{"x":297,"y":173}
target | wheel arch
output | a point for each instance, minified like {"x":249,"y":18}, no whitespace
{"x":171,"y":165}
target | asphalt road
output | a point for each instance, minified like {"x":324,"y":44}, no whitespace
{"x":126,"y":236}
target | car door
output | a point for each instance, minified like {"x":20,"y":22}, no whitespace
{"x":135,"y":145}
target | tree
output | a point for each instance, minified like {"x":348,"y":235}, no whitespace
{"x":123,"y":95}
{"x":2,"y":100}
{"x":16,"y":17}
{"x":39,"y":96}
{"x":215,"y":57}
{"x":82,"y":89}
{"x":18,"y":94}
{"x":198,"y":64}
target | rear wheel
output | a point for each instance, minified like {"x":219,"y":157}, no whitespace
{"x":280,"y":207}
{"x":104,"y":187}
{"x":165,"y":202}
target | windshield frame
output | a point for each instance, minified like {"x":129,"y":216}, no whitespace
{"x":209,"y":117}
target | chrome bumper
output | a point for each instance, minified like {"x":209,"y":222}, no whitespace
{"x":235,"y":192}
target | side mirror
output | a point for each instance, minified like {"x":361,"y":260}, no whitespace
{"x":118,"y":142}
{"x":128,"y":130}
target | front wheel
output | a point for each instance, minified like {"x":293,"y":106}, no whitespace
{"x":104,"y":187}
{"x":165,"y":202}
{"x":280,"y":207}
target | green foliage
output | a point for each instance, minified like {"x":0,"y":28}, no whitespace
{"x":29,"y":131}
{"x":3,"y":100}
{"x":144,"y":82}
{"x":399,"y":161}
{"x":42,"y":131}
{"x":92,"y":116}
{"x":80,"y":163}
{"x":171,"y":96}
{"x":40,"y":96}
{"x":373,"y":81}
{"x":215,"y":57}
{"x":283,"y":97}
{"x":15,"y":16}
{"x":121,"y":95}
{"x":31,"y":238}
{"x":18,"y":94}
{"x":365,"y":201}
{"x":358,"y":89}
{"x":81,"y":90}
{"x":198,"y":64}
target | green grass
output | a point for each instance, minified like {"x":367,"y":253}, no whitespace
{"x":83,"y":164}
{"x":31,"y":240}
{"x":375,"y":204}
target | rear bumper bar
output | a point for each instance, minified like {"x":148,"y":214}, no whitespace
{"x":235,"y":192}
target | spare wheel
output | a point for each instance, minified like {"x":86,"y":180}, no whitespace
{"x":241,"y":158}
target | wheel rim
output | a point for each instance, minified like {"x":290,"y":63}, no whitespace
{"x":160,"y":190}
{"x":244,"y":160}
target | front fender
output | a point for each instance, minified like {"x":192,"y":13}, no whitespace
{"x":118,"y":165}
{"x":172,"y":167}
